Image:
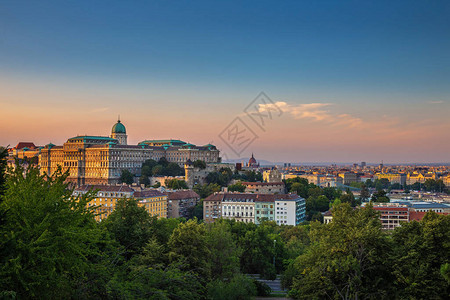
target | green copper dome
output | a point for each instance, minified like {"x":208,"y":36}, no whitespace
{"x":118,"y":128}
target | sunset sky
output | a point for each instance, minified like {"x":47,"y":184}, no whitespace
{"x":354,"y":80}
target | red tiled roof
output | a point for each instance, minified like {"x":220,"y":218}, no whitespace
{"x":184,"y":194}
{"x":148,"y":193}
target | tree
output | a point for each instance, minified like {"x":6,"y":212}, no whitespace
{"x":364,"y":194}
{"x":188,"y":247}
{"x":50,"y":245}
{"x":199,"y":164}
{"x":237,"y":187}
{"x":204,"y":190}
{"x":347,"y":258}
{"x":130,"y":225}
{"x":173,"y":169}
{"x":144,"y":180}
{"x":348,"y":197}
{"x":380,"y":196}
{"x":421,"y":250}
{"x":258,"y":252}
{"x":224,"y":253}
{"x":126,"y":177}
{"x":157,"y":170}
{"x":176,"y":184}
{"x":3,"y":155}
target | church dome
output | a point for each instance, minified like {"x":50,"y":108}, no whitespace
{"x":252,"y":161}
{"x":118,"y":128}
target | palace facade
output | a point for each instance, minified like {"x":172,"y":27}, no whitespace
{"x":100,"y":160}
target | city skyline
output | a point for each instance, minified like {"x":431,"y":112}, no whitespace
{"x":354,"y":81}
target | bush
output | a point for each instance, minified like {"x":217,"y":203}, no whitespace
{"x":240,"y":287}
{"x":262,"y":289}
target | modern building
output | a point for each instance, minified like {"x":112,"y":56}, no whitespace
{"x":101,"y":160}
{"x":290,"y":210}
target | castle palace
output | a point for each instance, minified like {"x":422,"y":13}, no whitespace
{"x":100,"y":159}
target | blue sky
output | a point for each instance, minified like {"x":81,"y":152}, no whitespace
{"x":373,"y":58}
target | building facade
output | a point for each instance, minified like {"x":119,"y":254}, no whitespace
{"x":264,"y":187}
{"x":181,"y":203}
{"x":254,"y":208}
{"x":106,"y":197}
{"x":100,"y":160}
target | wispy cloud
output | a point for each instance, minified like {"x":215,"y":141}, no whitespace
{"x":435,"y":102}
{"x":318,"y":112}
{"x":98,"y":110}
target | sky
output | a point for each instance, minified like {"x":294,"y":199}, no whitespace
{"x":343,"y":81}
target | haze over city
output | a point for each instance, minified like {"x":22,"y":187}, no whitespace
{"x":366,"y":82}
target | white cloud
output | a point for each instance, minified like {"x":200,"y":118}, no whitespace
{"x":317,"y":112}
{"x":435,"y":102}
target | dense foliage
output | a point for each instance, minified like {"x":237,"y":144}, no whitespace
{"x":51,"y":247}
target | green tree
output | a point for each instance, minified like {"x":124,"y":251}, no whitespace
{"x":144,"y":180}
{"x":173,"y":169}
{"x":224,"y":253}
{"x":199,"y":164}
{"x":237,"y":187}
{"x":188,"y":247}
{"x":3,"y":155}
{"x":204,"y":190}
{"x":176,"y":184}
{"x":348,"y":197}
{"x":240,"y":287}
{"x":380,"y":196}
{"x":347,"y":258}
{"x":126,"y":177}
{"x":50,"y":245}
{"x":157,"y":170}
{"x":421,"y":249}
{"x":364,"y":194}
{"x":130,"y":225}
{"x":258,"y":252}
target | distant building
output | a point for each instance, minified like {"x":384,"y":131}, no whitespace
{"x":399,"y":178}
{"x":252,"y":163}
{"x":273,"y":175}
{"x":349,"y":177}
{"x":106,"y":197}
{"x":393,"y":214}
{"x":101,"y":160}
{"x":181,"y":203}
{"x":154,"y":202}
{"x":264,"y":187}
{"x":255,"y":208}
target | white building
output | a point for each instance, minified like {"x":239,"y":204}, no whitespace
{"x":290,"y":211}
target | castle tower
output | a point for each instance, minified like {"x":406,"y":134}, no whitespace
{"x":119,"y":133}
{"x":189,"y":173}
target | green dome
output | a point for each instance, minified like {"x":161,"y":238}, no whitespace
{"x":118,"y":128}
